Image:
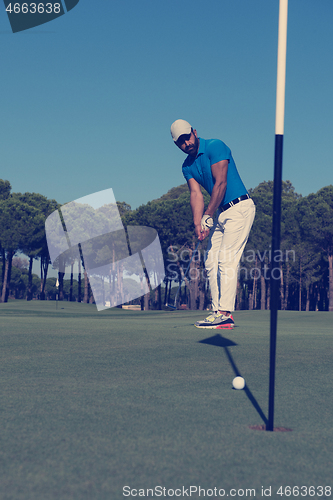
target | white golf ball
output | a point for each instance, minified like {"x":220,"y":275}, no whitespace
{"x":238,"y":383}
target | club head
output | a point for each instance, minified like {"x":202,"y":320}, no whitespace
{"x":170,"y":306}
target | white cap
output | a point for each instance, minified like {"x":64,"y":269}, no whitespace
{"x":178,"y":128}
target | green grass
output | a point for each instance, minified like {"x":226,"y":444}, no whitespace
{"x":93,"y":401}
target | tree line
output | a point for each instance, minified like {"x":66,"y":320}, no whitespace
{"x":305,"y":260}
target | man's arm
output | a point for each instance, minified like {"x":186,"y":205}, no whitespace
{"x":197,"y":206}
{"x":219,"y":171}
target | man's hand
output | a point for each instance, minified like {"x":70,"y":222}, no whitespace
{"x":202,"y":229}
{"x":201,"y":234}
{"x":207,"y":222}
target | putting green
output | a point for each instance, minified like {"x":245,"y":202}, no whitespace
{"x":92,"y":402}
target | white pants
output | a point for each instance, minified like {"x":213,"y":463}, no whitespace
{"x":226,"y":244}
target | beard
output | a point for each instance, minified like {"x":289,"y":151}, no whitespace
{"x":193,"y":148}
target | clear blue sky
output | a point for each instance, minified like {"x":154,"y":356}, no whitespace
{"x":87,"y":100}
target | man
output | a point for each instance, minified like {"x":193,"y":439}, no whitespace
{"x":210,"y":164}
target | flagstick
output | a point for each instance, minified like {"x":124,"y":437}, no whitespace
{"x":276,"y":229}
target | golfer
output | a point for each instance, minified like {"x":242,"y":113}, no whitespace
{"x":209,"y":163}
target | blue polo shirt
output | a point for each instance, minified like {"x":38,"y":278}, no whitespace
{"x":211,"y":151}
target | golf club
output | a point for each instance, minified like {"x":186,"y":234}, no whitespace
{"x":181,"y":281}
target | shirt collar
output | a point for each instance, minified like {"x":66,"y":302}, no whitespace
{"x":202,"y":147}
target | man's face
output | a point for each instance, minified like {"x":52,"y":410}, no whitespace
{"x":189,"y":143}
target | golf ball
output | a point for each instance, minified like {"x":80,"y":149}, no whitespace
{"x":238,"y":383}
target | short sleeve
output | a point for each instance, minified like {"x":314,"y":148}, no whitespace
{"x":218,"y":151}
{"x":186,"y":173}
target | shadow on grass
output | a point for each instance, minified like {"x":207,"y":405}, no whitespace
{"x":219,"y":341}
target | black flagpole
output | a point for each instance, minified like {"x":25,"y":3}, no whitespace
{"x":276,"y":228}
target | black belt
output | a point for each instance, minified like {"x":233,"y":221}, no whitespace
{"x":234,"y":202}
